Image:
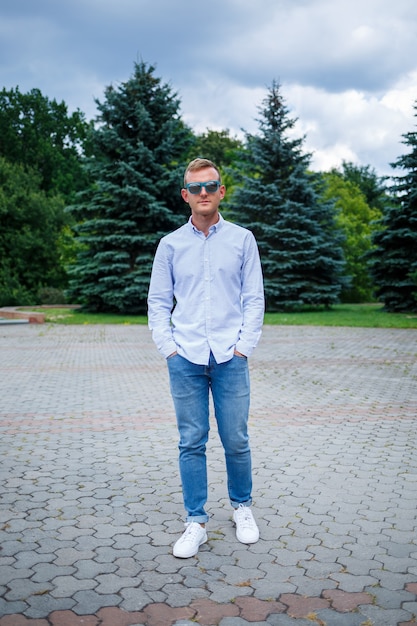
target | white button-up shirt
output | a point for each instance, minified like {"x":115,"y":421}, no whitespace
{"x":206,"y":293}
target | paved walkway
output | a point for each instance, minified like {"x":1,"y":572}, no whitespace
{"x":90,"y":501}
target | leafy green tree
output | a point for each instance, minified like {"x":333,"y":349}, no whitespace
{"x":40,"y":136}
{"x":221,"y":148}
{"x":137,"y":171}
{"x":356,"y":219}
{"x":395,"y":257}
{"x":216,"y":145}
{"x":31,"y":224}
{"x":279,"y":200}
{"x":40,"y":133}
{"x":373,"y":187}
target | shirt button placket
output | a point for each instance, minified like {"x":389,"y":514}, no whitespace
{"x":207,"y":303}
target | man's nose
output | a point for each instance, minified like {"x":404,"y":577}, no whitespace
{"x":203,"y":191}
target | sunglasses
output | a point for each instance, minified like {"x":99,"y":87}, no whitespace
{"x":195,"y":188}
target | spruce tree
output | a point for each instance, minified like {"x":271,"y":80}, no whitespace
{"x":279,"y":201}
{"x":138,"y":147}
{"x":395,"y":258}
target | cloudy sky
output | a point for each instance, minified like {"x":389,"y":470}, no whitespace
{"x":348,"y":68}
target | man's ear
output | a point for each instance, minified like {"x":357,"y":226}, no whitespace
{"x":184,"y":195}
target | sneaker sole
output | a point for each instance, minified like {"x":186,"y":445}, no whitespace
{"x":247,"y":542}
{"x":189,"y":555}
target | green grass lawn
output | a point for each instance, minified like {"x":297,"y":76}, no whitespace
{"x":359,"y":315}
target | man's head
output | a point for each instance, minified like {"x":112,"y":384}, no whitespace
{"x":200,"y":164}
{"x":203,"y":191}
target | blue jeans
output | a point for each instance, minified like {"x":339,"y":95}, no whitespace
{"x":190,"y":386}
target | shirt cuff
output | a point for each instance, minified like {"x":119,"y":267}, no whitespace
{"x":244,"y":348}
{"x":168,"y":349}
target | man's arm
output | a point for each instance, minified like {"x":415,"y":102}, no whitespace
{"x":161,"y":301}
{"x":253,"y":301}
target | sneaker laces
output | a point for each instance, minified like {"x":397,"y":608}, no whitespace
{"x":245,"y":517}
{"x":192,"y":531}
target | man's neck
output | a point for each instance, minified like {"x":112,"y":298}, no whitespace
{"x":204,"y":224}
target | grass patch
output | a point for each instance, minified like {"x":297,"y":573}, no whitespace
{"x":75,"y":316}
{"x":351,"y":315}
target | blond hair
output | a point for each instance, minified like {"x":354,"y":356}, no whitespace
{"x":199,"y":164}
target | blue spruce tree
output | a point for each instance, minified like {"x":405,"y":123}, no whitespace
{"x":278,"y":199}
{"x":138,"y":147}
{"x":394,"y":268}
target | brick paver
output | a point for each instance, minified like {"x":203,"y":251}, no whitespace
{"x":90,"y":500}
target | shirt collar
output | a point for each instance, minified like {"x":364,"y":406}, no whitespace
{"x":212,"y":229}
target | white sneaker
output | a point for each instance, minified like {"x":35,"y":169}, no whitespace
{"x":246,"y":528}
{"x":189,"y":542}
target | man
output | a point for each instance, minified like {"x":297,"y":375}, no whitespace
{"x":206,"y":306}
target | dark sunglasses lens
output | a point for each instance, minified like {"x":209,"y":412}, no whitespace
{"x":194,"y":188}
{"x":212,"y":187}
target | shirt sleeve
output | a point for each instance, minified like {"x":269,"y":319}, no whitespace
{"x":161,"y":301}
{"x":253,"y":301}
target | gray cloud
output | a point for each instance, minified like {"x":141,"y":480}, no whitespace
{"x":348,"y":69}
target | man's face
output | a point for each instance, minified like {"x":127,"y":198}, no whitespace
{"x":203,"y":204}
